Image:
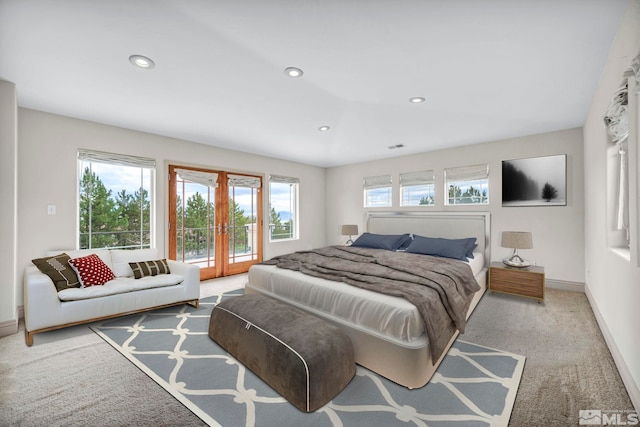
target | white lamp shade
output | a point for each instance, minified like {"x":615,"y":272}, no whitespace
{"x":517,"y":240}
{"x":349,"y":230}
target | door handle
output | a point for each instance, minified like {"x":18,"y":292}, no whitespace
{"x":226,"y":228}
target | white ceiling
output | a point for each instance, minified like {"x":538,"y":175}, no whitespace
{"x":489,"y":69}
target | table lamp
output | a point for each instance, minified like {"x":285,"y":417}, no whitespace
{"x":349,"y":230}
{"x":516,"y":240}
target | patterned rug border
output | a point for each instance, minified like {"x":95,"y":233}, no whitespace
{"x":500,"y":420}
{"x":159,"y":380}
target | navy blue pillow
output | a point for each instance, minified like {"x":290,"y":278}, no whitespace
{"x":471,"y":246}
{"x":390,"y":242}
{"x":447,"y":248}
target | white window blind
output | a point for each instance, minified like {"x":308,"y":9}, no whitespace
{"x":467,"y":173}
{"x":283,"y":179}
{"x":116,"y":159}
{"x":209,"y":179}
{"x":416,"y":178}
{"x":244,"y":181}
{"x":372,"y":182}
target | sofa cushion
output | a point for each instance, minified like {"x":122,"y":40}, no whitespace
{"x":122,"y":257}
{"x":103,"y":254}
{"x":91,"y":270}
{"x":121,"y":285}
{"x":58,"y":269}
{"x":149,"y":268}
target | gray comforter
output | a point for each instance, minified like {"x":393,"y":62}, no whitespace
{"x":440,"y":288}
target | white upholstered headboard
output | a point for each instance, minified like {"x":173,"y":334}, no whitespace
{"x":452,"y":225}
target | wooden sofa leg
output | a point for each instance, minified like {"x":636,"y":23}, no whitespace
{"x":194,"y":303}
{"x":28,"y":337}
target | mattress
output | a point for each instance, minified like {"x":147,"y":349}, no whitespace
{"x":385,"y":315}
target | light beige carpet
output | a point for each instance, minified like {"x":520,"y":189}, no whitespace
{"x":568,"y":366}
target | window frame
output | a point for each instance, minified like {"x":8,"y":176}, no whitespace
{"x":466,"y":176}
{"x":294,"y":206}
{"x":86,"y":158}
{"x":416,"y":180}
{"x":377,"y":182}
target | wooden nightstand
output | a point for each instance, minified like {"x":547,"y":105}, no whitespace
{"x":527,"y":282}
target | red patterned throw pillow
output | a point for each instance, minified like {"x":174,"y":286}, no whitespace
{"x":91,"y":270}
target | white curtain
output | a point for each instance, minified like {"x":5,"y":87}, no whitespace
{"x":623,"y":202}
{"x":617,"y":121}
{"x":617,"y":118}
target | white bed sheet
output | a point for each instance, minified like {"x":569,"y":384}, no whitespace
{"x":384,"y":314}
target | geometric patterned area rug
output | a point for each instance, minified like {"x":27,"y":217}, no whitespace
{"x":473,"y":386}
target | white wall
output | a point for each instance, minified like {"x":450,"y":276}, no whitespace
{"x":47,"y":171}
{"x":613,"y":281}
{"x":558,"y":231}
{"x":8,"y":207}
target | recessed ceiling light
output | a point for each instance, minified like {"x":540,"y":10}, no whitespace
{"x":142,"y":62}
{"x":416,"y":99}
{"x":323,"y":128}
{"x":293,"y":72}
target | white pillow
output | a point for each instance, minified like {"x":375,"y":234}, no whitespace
{"x":122,"y":257}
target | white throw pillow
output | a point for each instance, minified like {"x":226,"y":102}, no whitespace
{"x":122,"y":257}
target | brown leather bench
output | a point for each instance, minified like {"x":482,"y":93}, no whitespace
{"x":305,"y":359}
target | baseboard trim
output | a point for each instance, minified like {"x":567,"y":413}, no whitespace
{"x":564,"y":285}
{"x":625,"y":373}
{"x":8,"y":327}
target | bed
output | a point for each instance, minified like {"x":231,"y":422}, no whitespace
{"x":387,"y":332}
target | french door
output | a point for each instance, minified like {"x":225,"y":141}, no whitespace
{"x":215,"y":220}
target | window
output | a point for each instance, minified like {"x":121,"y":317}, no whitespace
{"x":617,"y":121}
{"x":417,"y":189}
{"x":467,"y":185}
{"x":283,"y":207}
{"x":114,"y":200}
{"x":377,"y":191}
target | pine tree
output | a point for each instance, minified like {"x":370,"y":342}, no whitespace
{"x":454,"y":194}
{"x":278,"y":230}
{"x":549,"y":192}
{"x":238,"y":238}
{"x":195,"y":225}
{"x":97,"y":209}
{"x":426,"y":200}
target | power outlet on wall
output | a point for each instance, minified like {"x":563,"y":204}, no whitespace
{"x":51,"y":209}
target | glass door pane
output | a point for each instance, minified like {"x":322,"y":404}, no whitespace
{"x":195,"y":225}
{"x":243,"y":227}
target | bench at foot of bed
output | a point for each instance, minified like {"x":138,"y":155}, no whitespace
{"x":305,"y":359}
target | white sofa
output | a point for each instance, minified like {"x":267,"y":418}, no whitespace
{"x":45,"y":309}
